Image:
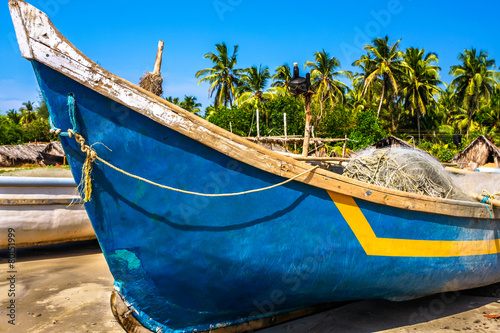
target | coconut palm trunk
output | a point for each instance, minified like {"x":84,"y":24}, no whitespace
{"x":381,"y":99}
{"x":418,"y":124}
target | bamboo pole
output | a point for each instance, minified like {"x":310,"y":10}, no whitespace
{"x":307,"y":105}
{"x":321,"y":159}
{"x":344,"y":147}
{"x":315,"y":142}
{"x":278,"y":139}
{"x":258,"y":128}
{"x":284,"y":122}
{"x":480,"y":197}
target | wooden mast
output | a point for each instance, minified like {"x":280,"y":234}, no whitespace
{"x":159,"y":54}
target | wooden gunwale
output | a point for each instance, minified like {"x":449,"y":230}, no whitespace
{"x":68,"y":60}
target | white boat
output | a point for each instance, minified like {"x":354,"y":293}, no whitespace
{"x":41,"y":211}
{"x":487,"y":169}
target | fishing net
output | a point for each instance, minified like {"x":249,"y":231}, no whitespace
{"x":404,"y":169}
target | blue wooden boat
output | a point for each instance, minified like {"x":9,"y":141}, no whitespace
{"x":184,"y":262}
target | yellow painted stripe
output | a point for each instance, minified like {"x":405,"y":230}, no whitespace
{"x":392,"y":247}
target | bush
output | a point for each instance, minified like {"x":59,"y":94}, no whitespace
{"x":368,"y":130}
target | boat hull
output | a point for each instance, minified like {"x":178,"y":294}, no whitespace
{"x":184,"y":262}
{"x":189,"y":262}
{"x":41,"y":211}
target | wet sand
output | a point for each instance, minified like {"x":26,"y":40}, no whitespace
{"x":66,"y":288}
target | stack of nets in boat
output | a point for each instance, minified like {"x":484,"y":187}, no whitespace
{"x":406,"y":170}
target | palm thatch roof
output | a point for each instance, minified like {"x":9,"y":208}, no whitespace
{"x":21,"y":154}
{"x":477,"y":153}
{"x":17,"y":155}
{"x":54,"y":148}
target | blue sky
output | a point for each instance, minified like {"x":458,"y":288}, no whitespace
{"x":122,"y":36}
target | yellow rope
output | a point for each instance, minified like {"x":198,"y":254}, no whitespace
{"x":92,"y":156}
{"x":491,"y":196}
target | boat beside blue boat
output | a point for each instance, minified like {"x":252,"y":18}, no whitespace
{"x":225,"y":234}
{"x":41,"y":211}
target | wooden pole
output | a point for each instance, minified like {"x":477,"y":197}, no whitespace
{"x":307,"y":106}
{"x":480,"y":197}
{"x":159,"y":55}
{"x":279,"y":139}
{"x":315,"y":142}
{"x":231,"y":127}
{"x":258,"y":127}
{"x":284,"y":121}
{"x":344,"y":147}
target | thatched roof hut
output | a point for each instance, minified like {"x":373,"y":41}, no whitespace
{"x":21,"y":154}
{"x":54,"y":148}
{"x":33,"y":153}
{"x":53,"y":154}
{"x":478,"y":153}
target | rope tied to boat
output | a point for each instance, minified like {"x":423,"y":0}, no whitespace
{"x":486,"y":199}
{"x":86,"y":181}
{"x":72,"y":117}
{"x":87,"y":165}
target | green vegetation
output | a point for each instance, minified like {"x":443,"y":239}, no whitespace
{"x":394,"y":92}
{"x":28,"y":124}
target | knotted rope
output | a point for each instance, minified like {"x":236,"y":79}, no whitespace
{"x":86,"y":181}
{"x":487,"y":198}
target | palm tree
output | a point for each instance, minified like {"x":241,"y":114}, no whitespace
{"x":358,"y":81}
{"x":474,"y":80}
{"x":253,"y":82}
{"x":190,"y":104}
{"x":27,"y":111}
{"x":355,"y":100}
{"x":14,"y":116}
{"x":420,"y":82}
{"x":42,"y":111}
{"x":384,"y":63}
{"x":323,"y":76}
{"x":491,"y":111}
{"x":173,"y":100}
{"x":223,"y":76}
{"x":281,"y":79}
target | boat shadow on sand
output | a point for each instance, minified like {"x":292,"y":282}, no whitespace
{"x":452,"y":311}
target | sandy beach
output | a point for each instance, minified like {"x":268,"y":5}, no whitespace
{"x":36,"y":172}
{"x":66,"y":288}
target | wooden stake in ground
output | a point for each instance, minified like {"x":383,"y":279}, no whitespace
{"x":153,"y":81}
{"x":344,"y":147}
{"x":307,"y":106}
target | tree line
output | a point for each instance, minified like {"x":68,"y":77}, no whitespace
{"x":394,"y":91}
{"x":28,"y":124}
